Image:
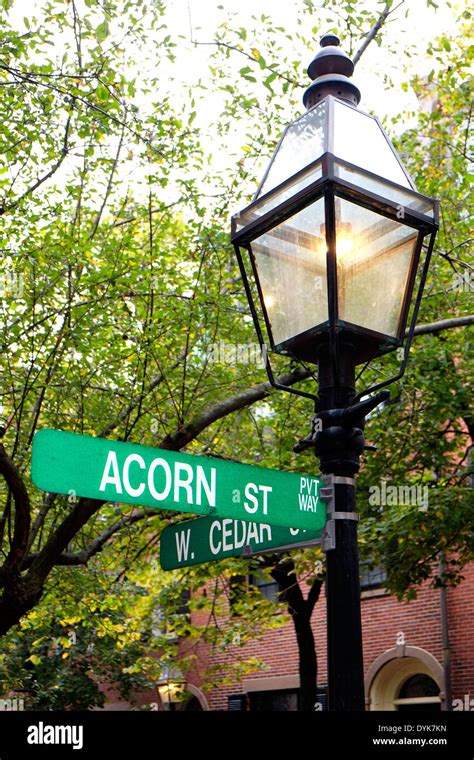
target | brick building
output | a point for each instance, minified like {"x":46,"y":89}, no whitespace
{"x":417,"y":655}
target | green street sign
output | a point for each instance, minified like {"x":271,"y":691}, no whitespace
{"x":209,"y":538}
{"x":97,"y":468}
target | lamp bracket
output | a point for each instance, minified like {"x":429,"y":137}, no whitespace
{"x":338,"y":480}
{"x":328,"y":539}
{"x":351,"y":418}
{"x":344,"y":516}
{"x":337,"y":435}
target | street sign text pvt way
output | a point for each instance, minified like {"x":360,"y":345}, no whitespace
{"x":133,"y":474}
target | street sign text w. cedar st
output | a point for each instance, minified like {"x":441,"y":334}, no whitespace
{"x":207,"y":539}
{"x":98,"y":468}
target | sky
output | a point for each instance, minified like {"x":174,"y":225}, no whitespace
{"x":422,"y":25}
{"x":198,"y":20}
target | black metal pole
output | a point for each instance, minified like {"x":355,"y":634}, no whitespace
{"x":338,"y":449}
{"x":344,"y":628}
{"x":338,"y":440}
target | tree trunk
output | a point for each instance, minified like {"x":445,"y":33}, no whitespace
{"x":18,"y":598}
{"x":301,"y":610}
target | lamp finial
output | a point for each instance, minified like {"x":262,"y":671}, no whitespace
{"x":330,"y":70}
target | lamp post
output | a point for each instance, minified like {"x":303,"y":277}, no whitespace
{"x":330,"y":250}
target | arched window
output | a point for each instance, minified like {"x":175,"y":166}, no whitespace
{"x":418,"y":692}
{"x":410,"y":682}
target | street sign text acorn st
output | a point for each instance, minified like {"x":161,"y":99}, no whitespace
{"x":129,"y":473}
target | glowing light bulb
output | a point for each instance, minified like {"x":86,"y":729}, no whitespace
{"x":344,"y":245}
{"x":344,"y":239}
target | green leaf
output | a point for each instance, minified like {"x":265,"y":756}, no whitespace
{"x":268,"y":81}
{"x":102,"y":92}
{"x":102,"y":31}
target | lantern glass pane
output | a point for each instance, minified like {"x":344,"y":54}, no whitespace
{"x":301,"y":144}
{"x":290,"y":261}
{"x":260,"y":207}
{"x":396,"y":194}
{"x":359,"y":139}
{"x":374,"y":261}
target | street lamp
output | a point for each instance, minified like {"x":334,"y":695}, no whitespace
{"x":329,"y":251}
{"x":170,"y":687}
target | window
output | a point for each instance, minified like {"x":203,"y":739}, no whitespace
{"x":269,"y":588}
{"x":270,"y":701}
{"x":191,"y":704}
{"x":237,"y":585}
{"x":419,"y":692}
{"x":372,"y":576}
{"x":237,"y":702}
{"x":164,"y":625}
{"x":321,"y":698}
{"x":183,"y":608}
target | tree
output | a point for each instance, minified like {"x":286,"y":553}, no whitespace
{"x":425,"y":416}
{"x":431,"y":413}
{"x":118,"y":280}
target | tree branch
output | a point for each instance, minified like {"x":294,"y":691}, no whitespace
{"x":21,"y":529}
{"x":48,"y":501}
{"x":96,"y":546}
{"x":187,"y":433}
{"x":65,"y":150}
{"x":27,"y":77}
{"x":444,"y":324}
{"x":375,"y":29}
{"x":153,"y":211}
{"x":60,"y":538}
{"x":156,"y":381}
{"x":300,"y":613}
{"x":284,"y":574}
{"x":58,"y":541}
{"x":109,"y":185}
{"x":313,"y":595}
{"x":254,"y":59}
